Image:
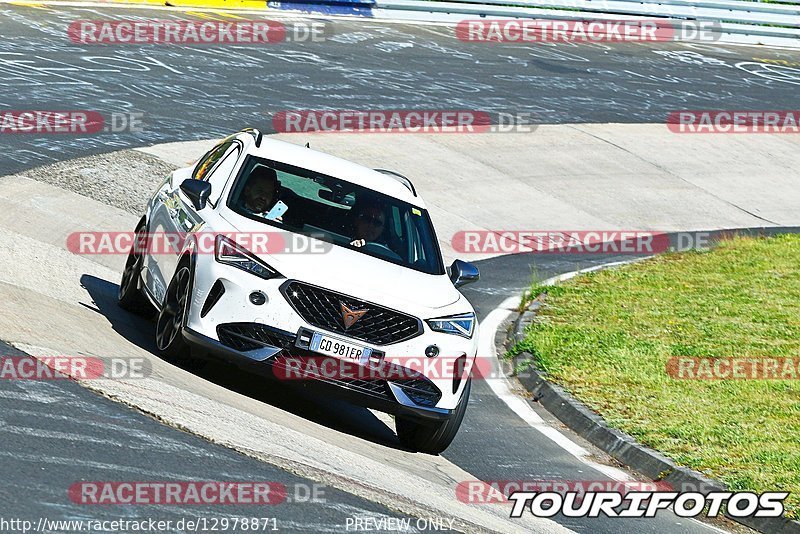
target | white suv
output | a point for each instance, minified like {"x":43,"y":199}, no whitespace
{"x":278,"y":257}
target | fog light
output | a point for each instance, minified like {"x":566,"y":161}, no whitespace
{"x":432,"y":351}
{"x":258,"y":298}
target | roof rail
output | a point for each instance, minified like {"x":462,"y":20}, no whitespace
{"x":257,"y":135}
{"x":400,"y":178}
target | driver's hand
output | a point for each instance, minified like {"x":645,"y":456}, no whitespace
{"x":358,"y":243}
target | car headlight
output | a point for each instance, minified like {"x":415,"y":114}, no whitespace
{"x":461,"y":325}
{"x":228,"y":252}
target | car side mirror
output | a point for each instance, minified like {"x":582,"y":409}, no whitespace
{"x":197,"y":191}
{"x":462,"y":273}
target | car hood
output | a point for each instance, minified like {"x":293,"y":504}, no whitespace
{"x":354,"y":273}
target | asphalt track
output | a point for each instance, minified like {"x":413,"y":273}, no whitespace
{"x":58,"y":434}
{"x":54,"y":435}
{"x":202,"y":92}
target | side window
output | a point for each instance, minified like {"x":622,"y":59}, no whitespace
{"x":221,"y":173}
{"x":210,"y":159}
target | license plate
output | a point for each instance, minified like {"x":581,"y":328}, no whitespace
{"x":332,"y":346}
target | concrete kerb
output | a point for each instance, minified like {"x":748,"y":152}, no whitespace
{"x":593,"y":428}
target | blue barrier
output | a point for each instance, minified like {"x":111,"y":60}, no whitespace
{"x":334,"y":7}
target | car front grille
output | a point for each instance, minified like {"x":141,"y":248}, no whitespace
{"x":250,"y":336}
{"x":324,"y":308}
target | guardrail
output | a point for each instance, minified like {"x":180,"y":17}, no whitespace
{"x":739,"y":20}
{"x":729,"y":11}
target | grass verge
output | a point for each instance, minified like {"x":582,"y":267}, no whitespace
{"x":608,"y":336}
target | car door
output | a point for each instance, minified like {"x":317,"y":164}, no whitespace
{"x":173,"y":218}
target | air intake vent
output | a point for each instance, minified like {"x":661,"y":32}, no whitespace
{"x":217,"y":290}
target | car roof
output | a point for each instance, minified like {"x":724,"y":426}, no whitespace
{"x":308,"y":158}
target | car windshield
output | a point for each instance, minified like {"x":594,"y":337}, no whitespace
{"x":338,"y":212}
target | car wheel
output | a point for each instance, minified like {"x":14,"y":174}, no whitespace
{"x":432,"y":438}
{"x":129,"y":296}
{"x":172,"y":317}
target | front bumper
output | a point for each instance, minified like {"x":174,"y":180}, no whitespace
{"x":266,"y":359}
{"x":211,"y":308}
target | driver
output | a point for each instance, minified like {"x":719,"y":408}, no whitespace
{"x":261,"y":192}
{"x":369,"y":221}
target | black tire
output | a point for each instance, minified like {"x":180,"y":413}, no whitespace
{"x":432,"y":438}
{"x":172,"y":317}
{"x":129,"y":296}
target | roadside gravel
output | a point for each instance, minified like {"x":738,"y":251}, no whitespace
{"x":123,"y":179}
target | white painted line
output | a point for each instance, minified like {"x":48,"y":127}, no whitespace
{"x":502,"y":388}
{"x":381,"y":478}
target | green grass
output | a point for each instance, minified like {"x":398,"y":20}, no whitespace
{"x":607,"y":336}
